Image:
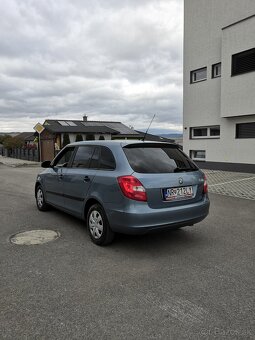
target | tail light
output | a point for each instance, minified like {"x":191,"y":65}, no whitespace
{"x":132,"y":188}
{"x":205,"y":189}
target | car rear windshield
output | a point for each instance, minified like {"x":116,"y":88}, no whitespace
{"x":157,"y":158}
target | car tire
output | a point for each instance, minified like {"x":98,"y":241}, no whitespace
{"x":98,"y":226}
{"x":40,"y":201}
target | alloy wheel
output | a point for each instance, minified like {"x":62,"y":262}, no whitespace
{"x":39,"y":197}
{"x":96,"y":224}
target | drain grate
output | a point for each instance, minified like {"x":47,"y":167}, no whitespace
{"x":32,"y":237}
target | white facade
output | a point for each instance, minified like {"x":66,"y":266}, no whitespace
{"x":214,"y":31}
{"x":72,"y":136}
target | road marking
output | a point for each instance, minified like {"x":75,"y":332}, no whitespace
{"x":178,"y":308}
{"x":185,"y":311}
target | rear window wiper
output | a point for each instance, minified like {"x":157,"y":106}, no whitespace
{"x":184,"y":169}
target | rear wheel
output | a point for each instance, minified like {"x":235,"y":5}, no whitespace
{"x":40,"y":201}
{"x":98,"y":226}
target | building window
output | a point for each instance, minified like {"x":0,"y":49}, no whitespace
{"x":198,"y":75}
{"x":243,"y":62}
{"x":245,"y":130}
{"x":197,"y":155}
{"x":216,"y":70}
{"x":214,"y":131}
{"x":199,"y":132}
{"x":205,"y":132}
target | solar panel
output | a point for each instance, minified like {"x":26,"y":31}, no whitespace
{"x":66,"y":123}
{"x":92,"y":124}
{"x":63,"y":123}
{"x":121,"y":128}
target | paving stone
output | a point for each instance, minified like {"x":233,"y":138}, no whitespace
{"x":234,"y":184}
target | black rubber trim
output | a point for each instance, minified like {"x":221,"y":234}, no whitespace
{"x":65,"y":196}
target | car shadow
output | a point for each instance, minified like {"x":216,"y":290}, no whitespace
{"x":155,"y":242}
{"x":152,"y":243}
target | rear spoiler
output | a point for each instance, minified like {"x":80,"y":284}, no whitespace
{"x":151,"y":145}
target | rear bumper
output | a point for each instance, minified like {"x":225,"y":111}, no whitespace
{"x":140,"y":218}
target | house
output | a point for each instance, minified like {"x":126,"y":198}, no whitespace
{"x":219,"y":83}
{"x":154,"y":138}
{"x":52,"y":138}
{"x":27,"y":137}
{"x":57,"y":133}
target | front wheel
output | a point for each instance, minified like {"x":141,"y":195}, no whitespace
{"x":98,"y":226}
{"x":40,"y":201}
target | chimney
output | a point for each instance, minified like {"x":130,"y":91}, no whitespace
{"x":85,"y":118}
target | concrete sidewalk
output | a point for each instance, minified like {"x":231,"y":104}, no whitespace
{"x":14,"y":162}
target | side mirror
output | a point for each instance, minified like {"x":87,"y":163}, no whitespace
{"x":46,"y":164}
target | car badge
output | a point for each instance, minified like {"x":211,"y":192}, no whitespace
{"x":180,"y":180}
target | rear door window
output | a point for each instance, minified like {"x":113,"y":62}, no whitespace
{"x":107,"y":161}
{"x":157,"y":158}
{"x":83,"y":156}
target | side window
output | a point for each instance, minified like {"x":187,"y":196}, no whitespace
{"x":64,"y":157}
{"x":107,"y":161}
{"x":83,"y":156}
{"x":94,"y":164}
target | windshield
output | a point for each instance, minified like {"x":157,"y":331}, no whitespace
{"x":158,"y":158}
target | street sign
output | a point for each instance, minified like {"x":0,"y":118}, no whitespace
{"x":39,"y":128}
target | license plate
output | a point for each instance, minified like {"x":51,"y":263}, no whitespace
{"x":170,"y":194}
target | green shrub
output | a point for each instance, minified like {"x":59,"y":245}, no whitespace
{"x":90,"y":136}
{"x":12,"y":142}
{"x":66,"y":139}
{"x":79,"y":138}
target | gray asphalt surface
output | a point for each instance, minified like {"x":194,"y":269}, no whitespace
{"x":195,"y":283}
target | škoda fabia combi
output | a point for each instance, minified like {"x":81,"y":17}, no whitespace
{"x":130,"y":187}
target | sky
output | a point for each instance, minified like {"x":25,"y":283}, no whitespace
{"x":118,"y":60}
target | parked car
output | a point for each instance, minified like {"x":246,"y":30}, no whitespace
{"x":124,"y":186}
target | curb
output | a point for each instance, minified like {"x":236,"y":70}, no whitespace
{"x":20,"y":165}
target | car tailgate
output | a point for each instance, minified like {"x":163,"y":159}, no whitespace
{"x":155,"y":183}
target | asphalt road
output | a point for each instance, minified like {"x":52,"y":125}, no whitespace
{"x":195,"y":283}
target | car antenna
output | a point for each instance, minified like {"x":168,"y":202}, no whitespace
{"x":148,"y":127}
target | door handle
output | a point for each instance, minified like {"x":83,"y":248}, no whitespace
{"x":86,"y":179}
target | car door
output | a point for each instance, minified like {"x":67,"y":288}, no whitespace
{"x":78,"y":179}
{"x":53,"y":183}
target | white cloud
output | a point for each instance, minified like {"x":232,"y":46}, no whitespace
{"x":112,"y":59}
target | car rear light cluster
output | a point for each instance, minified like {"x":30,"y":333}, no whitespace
{"x":205,"y":189}
{"x":132,"y":188}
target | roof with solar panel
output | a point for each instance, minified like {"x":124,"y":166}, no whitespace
{"x":85,"y":126}
{"x":116,"y":129}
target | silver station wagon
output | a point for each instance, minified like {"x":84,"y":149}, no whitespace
{"x":130,"y":187}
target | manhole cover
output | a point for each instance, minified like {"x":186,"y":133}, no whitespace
{"x":34,"y":237}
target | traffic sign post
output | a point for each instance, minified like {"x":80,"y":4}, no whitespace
{"x":39,"y":129}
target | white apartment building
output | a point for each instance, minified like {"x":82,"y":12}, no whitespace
{"x":219,"y":83}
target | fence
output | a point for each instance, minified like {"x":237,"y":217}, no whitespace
{"x":21,"y":153}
